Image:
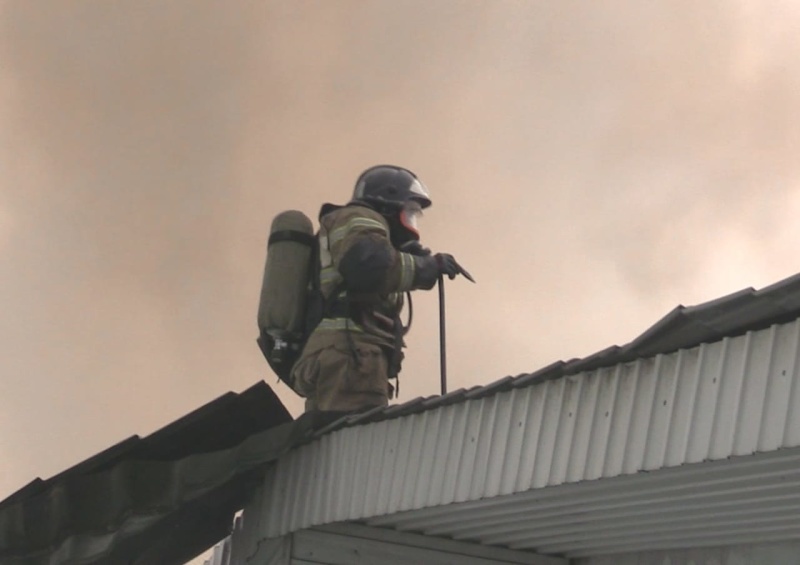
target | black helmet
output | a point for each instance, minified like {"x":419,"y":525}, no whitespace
{"x":389,"y":185}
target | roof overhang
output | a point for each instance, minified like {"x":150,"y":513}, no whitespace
{"x":748,"y":499}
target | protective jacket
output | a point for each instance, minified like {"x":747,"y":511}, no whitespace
{"x":348,"y":359}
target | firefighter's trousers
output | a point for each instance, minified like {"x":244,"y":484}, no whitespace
{"x":341,"y":372}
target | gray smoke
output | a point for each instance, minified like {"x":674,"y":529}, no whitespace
{"x":592,"y":164}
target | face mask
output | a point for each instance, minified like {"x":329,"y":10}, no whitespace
{"x":409,"y":216}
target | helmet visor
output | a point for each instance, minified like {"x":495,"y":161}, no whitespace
{"x":419,"y":193}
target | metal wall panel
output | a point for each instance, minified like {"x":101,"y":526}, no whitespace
{"x":759,"y":554}
{"x":350,"y":544}
{"x":731,"y":398}
{"x":353,"y":544}
{"x":333,"y":549}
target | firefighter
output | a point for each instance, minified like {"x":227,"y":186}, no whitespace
{"x":369,"y":256}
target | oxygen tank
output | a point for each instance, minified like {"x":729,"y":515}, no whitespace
{"x":284,"y":290}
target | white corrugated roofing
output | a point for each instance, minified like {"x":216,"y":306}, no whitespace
{"x":744,"y":500}
{"x":534,"y":467}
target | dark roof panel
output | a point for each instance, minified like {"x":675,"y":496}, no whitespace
{"x":173,"y":492}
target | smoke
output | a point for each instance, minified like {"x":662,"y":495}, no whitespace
{"x":592,"y":164}
{"x":124,"y":120}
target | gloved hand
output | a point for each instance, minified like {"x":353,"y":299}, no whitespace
{"x":429,"y":267}
{"x":449,"y":266}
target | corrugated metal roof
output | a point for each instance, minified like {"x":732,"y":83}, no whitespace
{"x":163,"y":498}
{"x":682,"y":328}
{"x":493,"y":468}
{"x":728,"y":502}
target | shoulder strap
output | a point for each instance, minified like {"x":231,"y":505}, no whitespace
{"x":315,"y":271}
{"x":315,"y":305}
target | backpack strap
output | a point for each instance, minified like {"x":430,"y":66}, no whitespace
{"x":315,"y":304}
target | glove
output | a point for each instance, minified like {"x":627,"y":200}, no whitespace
{"x":449,"y":266}
{"x":429,"y":267}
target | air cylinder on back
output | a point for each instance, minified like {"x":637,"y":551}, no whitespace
{"x":284,"y":289}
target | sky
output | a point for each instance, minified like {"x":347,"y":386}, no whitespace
{"x":592,"y":164}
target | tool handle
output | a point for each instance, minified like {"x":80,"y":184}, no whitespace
{"x":442,"y":336}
